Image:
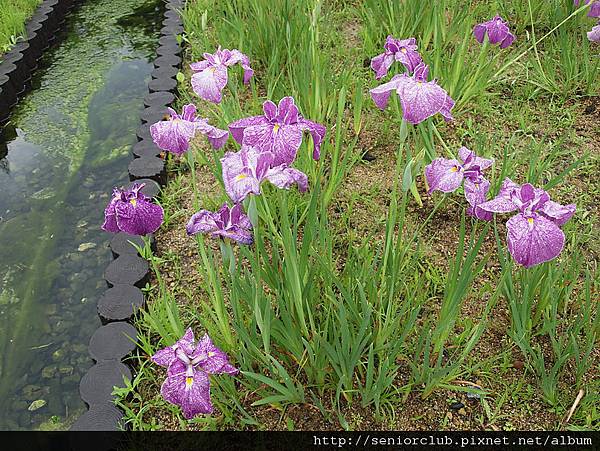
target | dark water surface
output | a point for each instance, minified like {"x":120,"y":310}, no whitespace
{"x":65,"y":148}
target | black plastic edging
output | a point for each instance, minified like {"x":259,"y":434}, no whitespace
{"x":129,"y":272}
{"x":19,"y":63}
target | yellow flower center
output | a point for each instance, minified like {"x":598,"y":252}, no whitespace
{"x":133,"y":202}
{"x":211,"y":354}
{"x":453,"y":169}
{"x":403,"y":50}
{"x":530,"y":220}
{"x":240,"y":177}
{"x":275,"y":128}
{"x":189,"y":381}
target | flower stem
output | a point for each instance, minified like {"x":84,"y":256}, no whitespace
{"x":192,"y":164}
{"x":227,"y":255}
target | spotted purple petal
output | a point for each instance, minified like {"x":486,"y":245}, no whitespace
{"x":138,"y":217}
{"x":381,"y":94}
{"x":239,"y":218}
{"x":502,"y":203}
{"x":421,"y":100}
{"x":173,"y":135}
{"x":237,"y":128}
{"x":110,"y":216}
{"x":225,"y":223}
{"x":497,"y":31}
{"x":209,"y":83}
{"x":239,"y":176}
{"x":557,"y":213}
{"x":284,"y":177}
{"x":469,"y":156}
{"x":166,"y":356}
{"x":238,"y":57}
{"x":283,"y":141}
{"x":279,"y":131}
{"x":129,"y":211}
{"x":189,"y":391}
{"x":381,"y":64}
{"x":533,"y":240}
{"x":211,"y":359}
{"x":287,"y":111}
{"x":476,"y":194}
{"x":443,"y":175}
{"x":594,"y":34}
{"x":407,"y":54}
{"x":215,"y":136}
{"x":594,"y":8}
{"x":401,"y":50}
{"x":203,"y":221}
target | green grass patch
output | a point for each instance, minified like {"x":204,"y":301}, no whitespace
{"x":13,"y":14}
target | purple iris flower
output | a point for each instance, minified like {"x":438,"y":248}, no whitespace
{"x":594,"y":9}
{"x":533,"y":235}
{"x":210,"y":75}
{"x":174,"y":135}
{"x":594,"y":35}
{"x":225,"y":223}
{"x":447,"y":175}
{"x":188,"y":366}
{"x":497,"y":31}
{"x":278,"y":131}
{"x":131,"y":212}
{"x":244,"y":171}
{"x":403,"y":50}
{"x":420,"y":98}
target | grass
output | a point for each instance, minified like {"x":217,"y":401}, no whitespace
{"x":366,"y":303}
{"x":13,"y":14}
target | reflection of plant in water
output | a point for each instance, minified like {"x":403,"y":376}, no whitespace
{"x":3,"y":152}
{"x":4,"y":166}
{"x":7,"y":296}
{"x":110,"y":138}
{"x":139,"y":24}
{"x":7,"y":293}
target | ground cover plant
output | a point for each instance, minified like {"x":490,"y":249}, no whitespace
{"x":13,"y":15}
{"x":325,"y":251}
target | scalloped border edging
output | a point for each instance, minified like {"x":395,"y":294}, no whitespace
{"x":19,"y":63}
{"x":128,"y":272}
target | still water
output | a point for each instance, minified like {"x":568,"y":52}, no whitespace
{"x":65,"y":148}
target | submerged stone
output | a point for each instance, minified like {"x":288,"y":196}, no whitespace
{"x":86,"y":246}
{"x":59,"y":354}
{"x":37,"y":404}
{"x":66,"y":370}
{"x":49,"y":371}
{"x":35,"y":391}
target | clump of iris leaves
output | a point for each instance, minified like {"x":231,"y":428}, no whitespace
{"x":319,"y":314}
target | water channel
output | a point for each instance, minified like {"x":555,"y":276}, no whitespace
{"x":66,"y":146}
